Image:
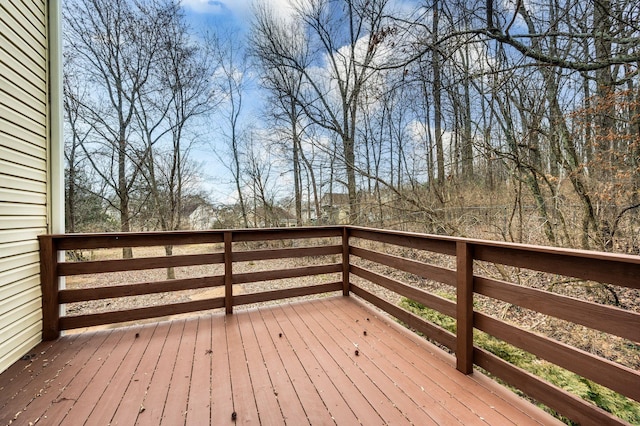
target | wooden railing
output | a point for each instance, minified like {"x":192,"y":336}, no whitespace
{"x":52,"y":270}
{"x":353,"y":244}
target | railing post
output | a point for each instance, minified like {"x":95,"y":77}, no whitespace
{"x":345,"y":261}
{"x":228,"y":272}
{"x":49,"y":286}
{"x":464,"y":307}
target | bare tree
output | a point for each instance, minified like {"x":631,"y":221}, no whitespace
{"x":231,"y":80}
{"x":181,"y":93}
{"x":115,"y":45}
{"x":285,"y":86}
{"x":344,"y":38}
{"x":75,"y":137}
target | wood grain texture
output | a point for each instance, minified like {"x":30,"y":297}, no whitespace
{"x":429,"y":300}
{"x":413,"y":322}
{"x":421,"y":269}
{"x":49,"y":285}
{"x":266,"y":296}
{"x":610,"y":374}
{"x":117,"y":265}
{"x":228,"y":272}
{"x":464,"y":307}
{"x":269,"y":234}
{"x":138,"y":289}
{"x":609,"y":319}
{"x":285,"y":253}
{"x":345,"y":262}
{"x":437,"y":244}
{"x":136,"y":239}
{"x":114,"y":317}
{"x":622,"y":270}
{"x":293,"y":363}
{"x":277,"y":274}
{"x":571,"y":406}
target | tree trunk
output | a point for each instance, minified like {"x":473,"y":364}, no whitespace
{"x":467,"y":142}
{"x":350,"y":157}
{"x":297,"y":181}
{"x":123,"y":194}
{"x":605,"y":108}
{"x":437,"y":100}
{"x":171,"y":274}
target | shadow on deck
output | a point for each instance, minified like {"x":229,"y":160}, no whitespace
{"x":324,"y":361}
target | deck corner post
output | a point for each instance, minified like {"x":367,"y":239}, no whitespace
{"x":228,"y":272}
{"x":49,"y":285}
{"x":345,"y":261}
{"x":464,"y":307}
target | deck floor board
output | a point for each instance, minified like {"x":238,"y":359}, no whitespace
{"x":134,"y":395}
{"x":221,"y":393}
{"x":438,"y":386}
{"x":199,"y":405}
{"x":290,"y":384}
{"x":438,"y":379}
{"x":345,"y":357}
{"x":156,"y":396}
{"x":107,"y":403}
{"x":292,"y":363}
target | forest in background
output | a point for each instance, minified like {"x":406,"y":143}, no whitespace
{"x":516,"y":121}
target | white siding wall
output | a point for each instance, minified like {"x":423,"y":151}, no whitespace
{"x":24,"y":153}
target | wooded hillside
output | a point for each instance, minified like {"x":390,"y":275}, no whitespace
{"x":517,"y":121}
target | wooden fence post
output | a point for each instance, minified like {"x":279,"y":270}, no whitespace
{"x":228,"y":272}
{"x":464,"y":307}
{"x":345,"y":261}
{"x":49,"y":286}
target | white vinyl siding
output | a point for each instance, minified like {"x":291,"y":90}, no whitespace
{"x":24,"y":179}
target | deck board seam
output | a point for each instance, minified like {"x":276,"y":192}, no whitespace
{"x":367,"y":374}
{"x":152,"y":355}
{"x":110,"y":348}
{"x":287,"y":371}
{"x":42,"y":371}
{"x":381,"y":356}
{"x":137,"y":331}
{"x":283,"y":317}
{"x":150,"y":409}
{"x":414,"y":367}
{"x":438,"y":360}
{"x":436,"y":363}
{"x":337,"y":365}
{"x":262,"y":358}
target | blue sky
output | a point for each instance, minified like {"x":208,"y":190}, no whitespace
{"x":236,"y":16}
{"x":235,"y":13}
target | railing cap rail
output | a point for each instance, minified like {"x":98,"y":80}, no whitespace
{"x":560,"y":251}
{"x":591,"y":254}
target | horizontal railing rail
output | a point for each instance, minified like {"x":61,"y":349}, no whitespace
{"x":365,"y":253}
{"x":53,"y":269}
{"x":619,"y":270}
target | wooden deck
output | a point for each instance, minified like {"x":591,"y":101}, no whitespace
{"x":326,"y":361}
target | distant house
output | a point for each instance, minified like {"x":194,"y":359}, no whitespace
{"x":335,"y":208}
{"x":309,"y":214}
{"x":205,"y":216}
{"x":272,"y":217}
{"x":31,"y":166}
{"x":283,"y":218}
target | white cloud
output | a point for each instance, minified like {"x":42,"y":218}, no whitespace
{"x":240,"y":9}
{"x":213,"y":7}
